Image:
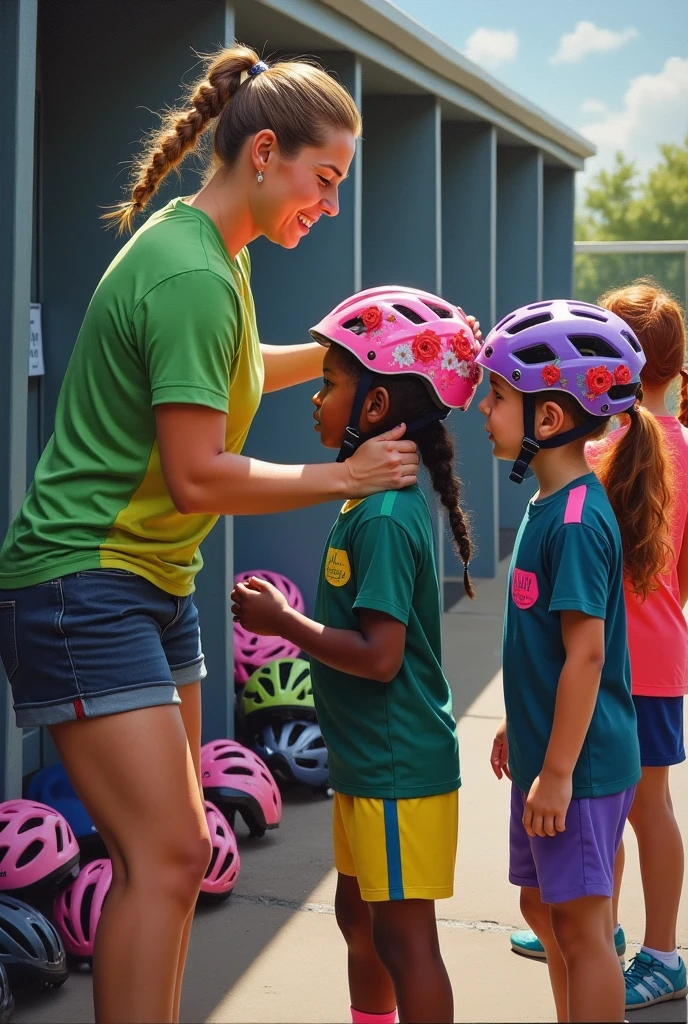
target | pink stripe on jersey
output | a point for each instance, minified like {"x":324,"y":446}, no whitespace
{"x":574,"y":505}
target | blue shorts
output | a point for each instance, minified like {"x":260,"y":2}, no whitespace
{"x":660,"y":730}
{"x":94,"y":643}
{"x":574,"y":863}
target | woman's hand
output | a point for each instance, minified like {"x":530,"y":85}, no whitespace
{"x":259,"y":606}
{"x":547,"y":804}
{"x":499,"y":758}
{"x":385,"y":463}
{"x":475,"y":327}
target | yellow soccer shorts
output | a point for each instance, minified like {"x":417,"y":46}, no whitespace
{"x":398,"y":849}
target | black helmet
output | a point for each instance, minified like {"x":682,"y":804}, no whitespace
{"x":30,"y":948}
{"x":6,"y":1000}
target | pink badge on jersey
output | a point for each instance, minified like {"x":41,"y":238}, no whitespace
{"x":524,"y":588}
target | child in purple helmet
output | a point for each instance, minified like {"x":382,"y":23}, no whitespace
{"x":558,"y":372}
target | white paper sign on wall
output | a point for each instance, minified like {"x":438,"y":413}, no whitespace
{"x":36,"y":367}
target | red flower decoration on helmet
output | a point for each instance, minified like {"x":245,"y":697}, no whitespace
{"x":551,"y":374}
{"x":371,"y":317}
{"x":622,"y":375}
{"x":462,"y":347}
{"x":426,"y":346}
{"x":598,"y":380}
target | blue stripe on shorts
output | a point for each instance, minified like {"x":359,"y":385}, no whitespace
{"x":395,"y":882}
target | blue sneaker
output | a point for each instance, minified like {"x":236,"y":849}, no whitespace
{"x":526,"y":943}
{"x":648,"y":982}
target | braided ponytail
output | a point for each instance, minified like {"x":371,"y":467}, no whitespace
{"x":683,"y":406}
{"x":437,"y":452}
{"x":181,"y":131}
{"x":298,"y":101}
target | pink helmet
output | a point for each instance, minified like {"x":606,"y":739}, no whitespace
{"x":237,"y":780}
{"x":37,"y":846}
{"x":225,"y":863}
{"x":393,"y":330}
{"x":251,"y":651}
{"x":77,"y":909}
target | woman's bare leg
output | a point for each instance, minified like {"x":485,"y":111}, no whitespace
{"x":135,"y":776}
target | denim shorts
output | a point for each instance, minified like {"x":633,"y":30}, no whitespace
{"x":94,"y":643}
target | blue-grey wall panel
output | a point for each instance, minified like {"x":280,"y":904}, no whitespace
{"x":558,"y":232}
{"x":519,"y":273}
{"x":17,"y":82}
{"x":469,"y":247}
{"x":293,"y":289}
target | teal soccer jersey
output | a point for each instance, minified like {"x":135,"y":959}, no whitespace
{"x":388,"y":740}
{"x":568,"y":558}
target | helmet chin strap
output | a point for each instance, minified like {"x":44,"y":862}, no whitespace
{"x":530,"y":447}
{"x":353,"y":438}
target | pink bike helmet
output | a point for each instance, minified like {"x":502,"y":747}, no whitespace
{"x":225,"y":863}
{"x":251,"y":651}
{"x":77,"y":909}
{"x":37,"y":846}
{"x":394,"y":330}
{"x":236,"y":779}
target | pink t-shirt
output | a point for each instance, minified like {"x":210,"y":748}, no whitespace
{"x":657,"y":629}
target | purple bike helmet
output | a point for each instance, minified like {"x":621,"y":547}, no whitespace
{"x":583,"y":350}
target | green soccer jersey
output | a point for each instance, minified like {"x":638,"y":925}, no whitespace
{"x":568,"y":557}
{"x":387,"y":740}
{"x":172,"y":320}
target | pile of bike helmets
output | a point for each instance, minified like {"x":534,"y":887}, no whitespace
{"x":275,"y":699}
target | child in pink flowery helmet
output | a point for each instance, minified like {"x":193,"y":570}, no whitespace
{"x":393,"y":355}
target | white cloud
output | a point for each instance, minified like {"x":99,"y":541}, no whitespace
{"x":655,"y":111}
{"x":594,"y":107}
{"x":588,"y":38}
{"x":491,"y":47}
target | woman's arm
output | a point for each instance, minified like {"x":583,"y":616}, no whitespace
{"x":286,"y":365}
{"x":375,"y":651}
{"x":202,"y":477}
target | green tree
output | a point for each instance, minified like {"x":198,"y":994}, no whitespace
{"x":620,"y":205}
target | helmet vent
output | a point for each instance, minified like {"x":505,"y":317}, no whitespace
{"x":58,"y":837}
{"x":29,"y":824}
{"x":504,"y":321}
{"x":531,"y":321}
{"x":306,"y":762}
{"x":32,"y":851}
{"x":440,"y":311}
{"x":267,"y":684}
{"x":539,"y":305}
{"x":410,"y":314}
{"x":86,"y":904}
{"x":3,"y":824}
{"x":633,"y":342}
{"x":18,"y":936}
{"x":226,"y":864}
{"x":237,"y":769}
{"x":589,"y":315}
{"x":619,"y":391}
{"x":592,"y":345}
{"x":3,"y":851}
{"x":213,"y":861}
{"x":535,"y":354}
{"x":356,"y":325}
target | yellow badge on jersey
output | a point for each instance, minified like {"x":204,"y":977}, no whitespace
{"x":337,"y":567}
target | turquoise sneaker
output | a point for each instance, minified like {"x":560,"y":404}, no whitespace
{"x":526,"y":943}
{"x":648,"y":982}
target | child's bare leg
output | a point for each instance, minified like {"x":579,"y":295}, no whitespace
{"x":538,"y":917}
{"x":584,"y":931}
{"x":405,"y":937}
{"x":370,"y":986}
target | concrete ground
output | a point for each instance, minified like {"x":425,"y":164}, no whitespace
{"x":273,"y":953}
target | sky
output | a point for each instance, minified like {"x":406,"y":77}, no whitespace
{"x":617,"y":72}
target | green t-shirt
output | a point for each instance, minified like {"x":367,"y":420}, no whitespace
{"x":172,"y":320}
{"x":568,"y":558}
{"x":387,"y":740}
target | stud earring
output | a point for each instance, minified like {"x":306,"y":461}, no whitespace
{"x":259,"y":176}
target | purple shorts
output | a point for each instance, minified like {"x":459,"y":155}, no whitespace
{"x":574,"y":863}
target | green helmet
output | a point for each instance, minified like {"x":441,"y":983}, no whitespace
{"x":280,"y":690}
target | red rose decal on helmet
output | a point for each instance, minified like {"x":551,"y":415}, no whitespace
{"x":598,"y":380}
{"x":462,"y":347}
{"x":551,"y":374}
{"x":426,"y":346}
{"x":371,"y":317}
{"x":622,"y":375}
